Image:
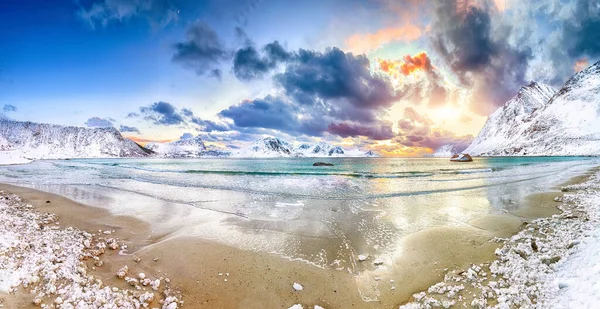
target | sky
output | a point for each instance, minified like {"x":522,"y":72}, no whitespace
{"x":401,"y":78}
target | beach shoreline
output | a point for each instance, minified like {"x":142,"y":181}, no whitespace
{"x":233,"y":278}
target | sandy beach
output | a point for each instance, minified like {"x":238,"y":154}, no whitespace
{"x":212,"y":275}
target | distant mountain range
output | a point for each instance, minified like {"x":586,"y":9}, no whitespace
{"x":30,"y":140}
{"x":540,"y":121}
{"x":269,"y":147}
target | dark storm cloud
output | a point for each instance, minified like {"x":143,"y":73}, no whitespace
{"x":9,"y":108}
{"x":97,"y":122}
{"x":324,"y":92}
{"x":162,"y":113}
{"x":335,"y":75}
{"x":129,"y":129}
{"x":376,"y":131}
{"x":269,"y":112}
{"x":248,"y":64}
{"x":202,"y":51}
{"x":158,"y":13}
{"x":478,"y":51}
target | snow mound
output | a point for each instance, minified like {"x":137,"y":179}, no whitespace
{"x":11,"y":157}
{"x":4,"y":145}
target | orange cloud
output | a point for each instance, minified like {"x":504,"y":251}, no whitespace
{"x":407,"y":65}
{"x":361,"y":43}
{"x":581,"y":64}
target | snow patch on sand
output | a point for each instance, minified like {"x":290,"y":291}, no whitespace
{"x":552,"y":263}
{"x":50,"y":262}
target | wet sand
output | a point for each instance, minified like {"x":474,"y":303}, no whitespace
{"x":262,"y":280}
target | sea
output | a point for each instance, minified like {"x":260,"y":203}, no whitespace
{"x":326,"y":216}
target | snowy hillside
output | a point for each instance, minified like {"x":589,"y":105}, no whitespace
{"x":535,"y":123}
{"x":184,"y":148}
{"x":4,"y":145}
{"x":446,"y":151}
{"x":47,"y":141}
{"x":274,"y":147}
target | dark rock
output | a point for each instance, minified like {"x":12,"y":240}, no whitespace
{"x":322,"y":164}
{"x":47,"y":202}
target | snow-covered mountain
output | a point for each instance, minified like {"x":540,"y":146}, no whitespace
{"x":506,"y":125}
{"x":537,"y":123}
{"x":271,"y":147}
{"x":446,"y":151}
{"x":48,"y":141}
{"x":184,"y":148}
{"x":320,"y":149}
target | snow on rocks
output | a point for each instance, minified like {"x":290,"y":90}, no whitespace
{"x":552,"y":263}
{"x":297,"y":286}
{"x":50,"y":263}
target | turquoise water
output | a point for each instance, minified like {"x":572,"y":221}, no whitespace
{"x":323,"y":215}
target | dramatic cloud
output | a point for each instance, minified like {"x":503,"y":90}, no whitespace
{"x":271,"y":112}
{"x":162,"y":113}
{"x":159,"y":13}
{"x":377,"y":131}
{"x":9,"y":108}
{"x":186,"y":136}
{"x":125,"y":129}
{"x":581,"y":33}
{"x":361,"y":43}
{"x":248,"y":64}
{"x":479,"y":52}
{"x":166,"y":114}
{"x":97,"y":122}
{"x":418,"y":131}
{"x":335,"y":75}
{"x":323,"y":92}
{"x":202,"y":52}
{"x":429,"y":86}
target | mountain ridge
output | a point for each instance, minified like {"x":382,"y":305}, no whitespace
{"x":51,"y":141}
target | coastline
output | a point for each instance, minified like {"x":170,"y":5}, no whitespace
{"x":526,"y":267}
{"x":262,"y":279}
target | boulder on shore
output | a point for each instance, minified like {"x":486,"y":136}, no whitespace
{"x":322,"y":164}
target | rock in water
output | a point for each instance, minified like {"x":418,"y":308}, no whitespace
{"x":322,"y":164}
